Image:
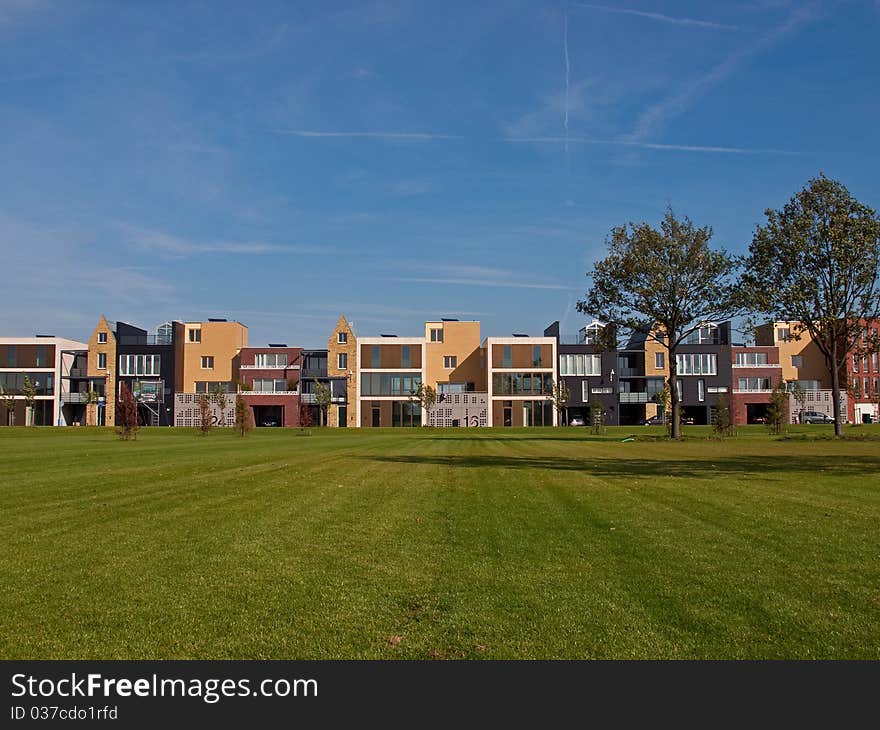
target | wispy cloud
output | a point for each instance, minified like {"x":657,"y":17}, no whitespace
{"x":314,"y":133}
{"x":679,"y":102}
{"x":651,"y":145}
{"x":177,"y":246}
{"x":481,"y":276}
{"x":567,"y":78}
{"x":406,"y":188}
{"x":524,"y":284}
{"x":660,"y":17}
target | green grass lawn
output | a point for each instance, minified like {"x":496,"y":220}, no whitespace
{"x":452,"y":544}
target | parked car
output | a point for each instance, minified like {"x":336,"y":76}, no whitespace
{"x":653,"y":421}
{"x":577,"y":421}
{"x":270,"y":422}
{"x":816,"y":417}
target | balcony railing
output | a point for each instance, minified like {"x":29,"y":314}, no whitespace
{"x":311,"y":399}
{"x":144,"y":340}
{"x":270,"y":367}
{"x":75,"y":397}
{"x":269,"y":392}
{"x":76,"y":373}
{"x":761,"y":365}
{"x":634,"y":397}
{"x":630,"y":373}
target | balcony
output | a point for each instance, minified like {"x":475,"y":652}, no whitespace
{"x":270,"y":367}
{"x":74,"y":397}
{"x":269,"y":392}
{"x":311,"y":399}
{"x":629,"y":373}
{"x":634,"y":397}
{"x":145,"y":340}
{"x":76,"y":373}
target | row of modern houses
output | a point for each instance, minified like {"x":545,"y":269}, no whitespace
{"x":496,"y":381}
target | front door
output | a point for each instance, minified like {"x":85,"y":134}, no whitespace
{"x":342,"y":416}
{"x":377,"y":417}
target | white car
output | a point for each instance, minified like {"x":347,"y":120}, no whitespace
{"x":577,"y":421}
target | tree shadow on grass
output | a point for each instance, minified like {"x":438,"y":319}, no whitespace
{"x":753,"y":466}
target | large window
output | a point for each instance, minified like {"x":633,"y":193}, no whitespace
{"x":102,"y":361}
{"x":755,"y":384}
{"x":751,"y":358}
{"x":536,"y":356}
{"x":506,"y":357}
{"x":376,"y":357}
{"x":341,"y":361}
{"x":580,"y":364}
{"x":522,"y":383}
{"x":389,"y":384}
{"x":13,"y":383}
{"x":450,"y":362}
{"x":207,"y":362}
{"x":270,"y":385}
{"x":437,"y":335}
{"x":590,"y":333}
{"x":209,"y":386}
{"x":659,"y":360}
{"x":697,"y":364}
{"x":271,"y":360}
{"x":137,"y":365}
{"x":40,"y":356}
{"x":194,"y":334}
{"x":708,"y":335}
{"x":404,"y":357}
{"x":11,"y":356}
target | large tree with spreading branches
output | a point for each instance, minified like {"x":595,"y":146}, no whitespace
{"x":814,"y":264}
{"x":662,"y":284}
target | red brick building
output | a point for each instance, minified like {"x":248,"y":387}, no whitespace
{"x":755,"y":372}
{"x":269,"y":380}
{"x":861,"y":376}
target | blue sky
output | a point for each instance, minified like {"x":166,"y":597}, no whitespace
{"x":280,"y":163}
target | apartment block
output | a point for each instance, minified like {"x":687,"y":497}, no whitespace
{"x":800,"y":359}
{"x":342,"y":368}
{"x":588,"y":372}
{"x":521,"y":372}
{"x":101,"y":367}
{"x":54,"y":366}
{"x":269,"y":381}
{"x":145,"y":363}
{"x":390,"y":370}
{"x":755,"y":372}
{"x":204,"y":353}
{"x":861,"y":376}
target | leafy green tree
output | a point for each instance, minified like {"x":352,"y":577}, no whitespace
{"x":799,"y":394}
{"x":9,"y":405}
{"x":722,"y":423}
{"x":222,"y":401}
{"x":662,"y":399}
{"x":559,"y":397}
{"x":30,"y":392}
{"x":243,"y":420}
{"x":662,"y":285}
{"x":426,"y":397}
{"x":814,"y":264}
{"x":777,"y":410}
{"x":206,"y":418}
{"x":323,"y":397}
